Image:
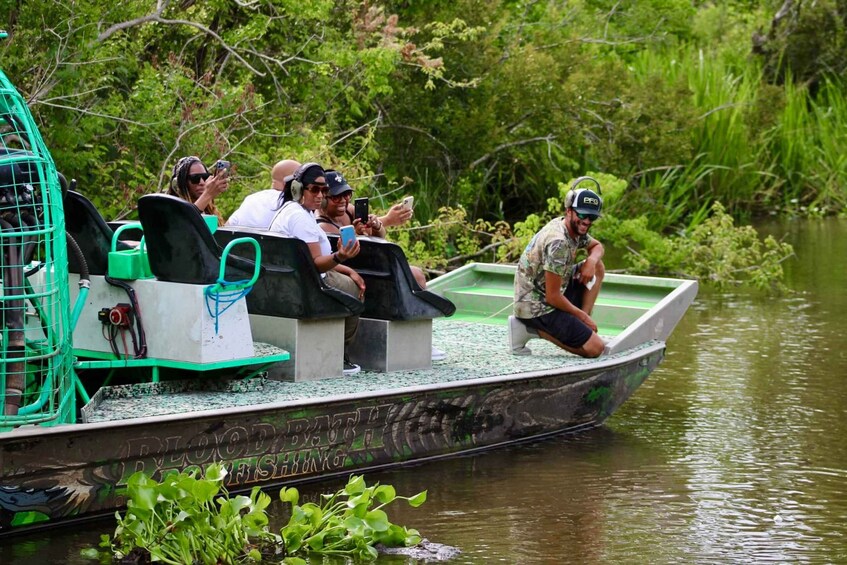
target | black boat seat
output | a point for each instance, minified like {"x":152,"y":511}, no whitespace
{"x":391,"y":290}
{"x":180,"y":246}
{"x":91,"y":232}
{"x":290,"y":285}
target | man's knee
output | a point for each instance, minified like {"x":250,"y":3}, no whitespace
{"x":594,"y":347}
{"x":600,"y":270}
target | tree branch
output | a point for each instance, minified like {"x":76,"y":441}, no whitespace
{"x":157,"y":18}
{"x":548,"y":138}
{"x":161,"y":5}
{"x":483,"y":251}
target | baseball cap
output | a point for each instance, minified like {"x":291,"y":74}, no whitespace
{"x":587,"y":202}
{"x":337,"y":184}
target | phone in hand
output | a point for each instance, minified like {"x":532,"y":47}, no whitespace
{"x":360,"y":209}
{"x":409,"y":202}
{"x":348,"y":234}
{"x":587,"y":285}
{"x":222,"y":168}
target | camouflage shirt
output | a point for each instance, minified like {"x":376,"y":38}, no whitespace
{"x":551,"y":249}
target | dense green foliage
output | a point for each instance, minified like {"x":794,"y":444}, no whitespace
{"x":480,"y":106}
{"x":715,"y":250}
{"x":187,"y":519}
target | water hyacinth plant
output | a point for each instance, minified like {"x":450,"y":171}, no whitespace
{"x":349,"y":523}
{"x":186,"y":518}
{"x":189,"y":519}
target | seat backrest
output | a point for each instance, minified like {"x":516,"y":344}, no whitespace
{"x":180,"y":246}
{"x":290,"y":285}
{"x":90,"y":231}
{"x":391,"y":290}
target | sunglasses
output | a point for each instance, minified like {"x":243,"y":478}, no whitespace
{"x":343,"y":196}
{"x":316,"y":188}
{"x":198,"y":177}
{"x":590,"y":217}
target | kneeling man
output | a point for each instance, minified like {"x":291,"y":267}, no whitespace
{"x":553,"y":295}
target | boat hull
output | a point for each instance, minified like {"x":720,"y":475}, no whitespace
{"x":53,"y":475}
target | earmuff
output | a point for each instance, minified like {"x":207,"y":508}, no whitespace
{"x":297,"y":180}
{"x":570,"y":197}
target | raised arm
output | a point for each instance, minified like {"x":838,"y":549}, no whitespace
{"x":214,"y":186}
{"x":329,"y":262}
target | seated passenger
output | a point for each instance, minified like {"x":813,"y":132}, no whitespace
{"x":334,"y":217}
{"x":192,"y":182}
{"x":336,"y":212}
{"x":259,"y":208}
{"x":302,"y":195}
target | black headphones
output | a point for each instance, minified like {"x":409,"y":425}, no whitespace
{"x":297,"y":180}
{"x":570,"y":197}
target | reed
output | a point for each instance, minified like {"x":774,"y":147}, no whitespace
{"x":758,"y":147}
{"x":830,"y":114}
{"x":806,"y":149}
{"x":726,"y":162}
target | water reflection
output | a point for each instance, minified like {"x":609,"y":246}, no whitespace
{"x":533,"y":503}
{"x":732,"y":451}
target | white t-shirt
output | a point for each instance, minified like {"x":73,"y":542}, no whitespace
{"x":257,"y":210}
{"x":292,"y":220}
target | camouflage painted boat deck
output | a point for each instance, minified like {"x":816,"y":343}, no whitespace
{"x":474,"y":351}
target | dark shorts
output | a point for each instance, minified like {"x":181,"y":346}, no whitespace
{"x":561,"y":325}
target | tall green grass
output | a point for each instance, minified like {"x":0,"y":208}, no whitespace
{"x":830,"y":113}
{"x":757,"y":147}
{"x":807,"y":147}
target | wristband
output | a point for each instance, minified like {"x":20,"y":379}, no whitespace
{"x":336,"y":259}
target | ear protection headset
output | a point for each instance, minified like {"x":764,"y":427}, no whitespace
{"x":297,"y":180}
{"x":570,"y":197}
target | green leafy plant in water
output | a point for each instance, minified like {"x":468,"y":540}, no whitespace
{"x":189,"y":519}
{"x":349,"y":523}
{"x":716,"y":251}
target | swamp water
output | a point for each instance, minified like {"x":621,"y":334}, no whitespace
{"x":732,"y":451}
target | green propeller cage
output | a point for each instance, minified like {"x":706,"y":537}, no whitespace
{"x":37,"y":383}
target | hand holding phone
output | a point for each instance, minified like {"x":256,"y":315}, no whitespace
{"x":360,"y":210}
{"x":222,"y":168}
{"x":409,"y":202}
{"x":348,"y":234}
{"x":577,"y":277}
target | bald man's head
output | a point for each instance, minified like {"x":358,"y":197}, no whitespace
{"x":281,"y":170}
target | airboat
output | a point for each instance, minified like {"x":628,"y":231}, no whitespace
{"x":183,"y":347}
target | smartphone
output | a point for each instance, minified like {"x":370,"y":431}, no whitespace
{"x":221,"y":165}
{"x":360,"y":209}
{"x":409,"y":202}
{"x":348,"y":234}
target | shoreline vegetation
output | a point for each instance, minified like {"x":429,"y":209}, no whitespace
{"x":695,"y":117}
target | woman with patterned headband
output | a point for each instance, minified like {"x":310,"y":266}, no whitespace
{"x":192,"y":182}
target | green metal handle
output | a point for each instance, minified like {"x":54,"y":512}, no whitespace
{"x":121,"y":229}
{"x":258,"y":262}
